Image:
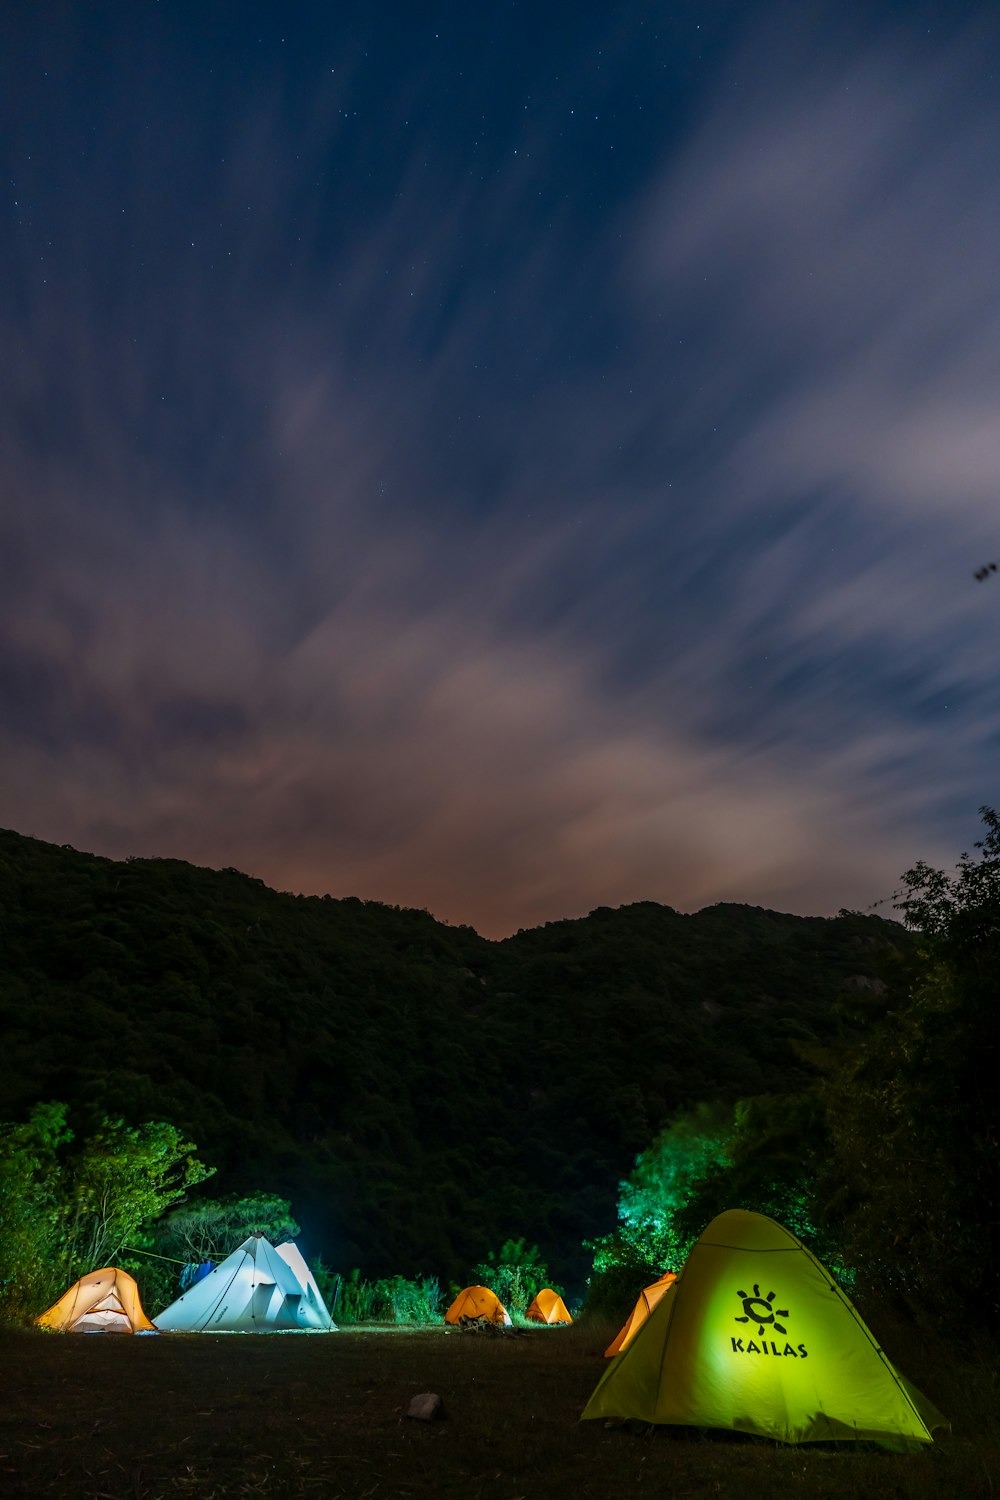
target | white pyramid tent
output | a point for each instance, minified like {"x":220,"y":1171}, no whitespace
{"x":313,"y":1299}
{"x":257,"y":1289}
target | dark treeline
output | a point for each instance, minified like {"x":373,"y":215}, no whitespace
{"x":419,"y":1093}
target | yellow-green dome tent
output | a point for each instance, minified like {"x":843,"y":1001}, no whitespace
{"x":757,"y":1337}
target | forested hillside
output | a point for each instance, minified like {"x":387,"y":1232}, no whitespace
{"x":418,"y":1092}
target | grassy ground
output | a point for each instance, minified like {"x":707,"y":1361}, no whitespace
{"x":243,"y":1416}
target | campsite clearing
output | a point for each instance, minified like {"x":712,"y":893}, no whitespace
{"x":313,"y":1415}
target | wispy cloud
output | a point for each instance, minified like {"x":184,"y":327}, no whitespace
{"x":510,"y":573}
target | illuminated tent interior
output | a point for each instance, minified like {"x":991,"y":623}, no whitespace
{"x":105,"y":1301}
{"x":646,"y":1301}
{"x":757,"y":1337}
{"x":257,"y":1289}
{"x":478,"y":1302}
{"x":548,"y":1307}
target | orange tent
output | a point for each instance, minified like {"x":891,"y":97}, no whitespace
{"x":648,"y":1298}
{"x":477,"y":1302}
{"x":105,"y":1301}
{"x":548,"y":1307}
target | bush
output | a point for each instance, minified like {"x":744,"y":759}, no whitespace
{"x":394,"y":1299}
{"x":402,"y":1301}
{"x":516,"y":1275}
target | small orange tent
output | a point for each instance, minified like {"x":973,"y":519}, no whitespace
{"x":477,"y":1302}
{"x":105,"y":1301}
{"x":548,"y":1307}
{"x":648,"y":1298}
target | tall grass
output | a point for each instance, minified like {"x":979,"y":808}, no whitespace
{"x":394,"y":1299}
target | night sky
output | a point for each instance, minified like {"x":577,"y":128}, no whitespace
{"x":502,"y":459}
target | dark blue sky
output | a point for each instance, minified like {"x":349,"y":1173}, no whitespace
{"x":501,"y":460}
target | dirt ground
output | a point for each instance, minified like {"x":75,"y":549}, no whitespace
{"x":324,"y":1416}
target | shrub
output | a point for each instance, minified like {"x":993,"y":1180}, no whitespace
{"x":403,"y":1301}
{"x":516,"y":1275}
{"x":394,"y":1299}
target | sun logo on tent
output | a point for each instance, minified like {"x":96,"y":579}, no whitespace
{"x":761,"y":1310}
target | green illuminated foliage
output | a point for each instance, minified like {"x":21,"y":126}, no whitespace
{"x":515,"y":1274}
{"x":122,"y":1177}
{"x":650,"y":1236}
{"x":69,"y":1205}
{"x":31,"y":1207}
{"x":667,"y":1175}
{"x":763,"y":1155}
